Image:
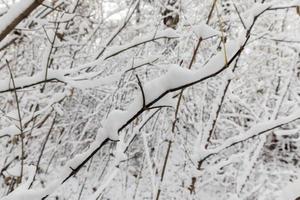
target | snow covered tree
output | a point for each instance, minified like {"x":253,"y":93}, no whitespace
{"x":133,"y":99}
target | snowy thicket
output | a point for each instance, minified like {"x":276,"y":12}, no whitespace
{"x":150,"y":99}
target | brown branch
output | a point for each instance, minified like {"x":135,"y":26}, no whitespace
{"x":75,"y":170}
{"x":142,"y":90}
{"x":30,"y":85}
{"x":282,"y":7}
{"x":179,"y":100}
{"x":137,"y":44}
{"x":141,"y":65}
{"x":211,"y":131}
{"x":239,"y":14}
{"x":19,"y":18}
{"x":128,"y":17}
{"x":42,"y":151}
{"x":243,"y":140}
{"x":20,"y":122}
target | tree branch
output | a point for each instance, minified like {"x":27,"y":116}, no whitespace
{"x":10,"y":20}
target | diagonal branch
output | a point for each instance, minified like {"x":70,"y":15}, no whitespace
{"x":239,"y":14}
{"x":15,"y":15}
{"x":254,"y":132}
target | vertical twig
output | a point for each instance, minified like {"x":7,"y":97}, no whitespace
{"x":20,"y":122}
{"x":179,"y":101}
{"x":42,"y":151}
{"x":48,"y":64}
{"x":142,"y":91}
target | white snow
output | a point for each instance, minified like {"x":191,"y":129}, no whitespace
{"x":257,"y":129}
{"x":256,"y":9}
{"x":205,"y":31}
{"x":114,"y":121}
{"x":168,"y":33}
{"x":85,"y":101}
{"x":291,"y":191}
{"x":21,"y":82}
{"x":7,"y":40}
{"x":94,"y":83}
{"x":10,"y":131}
{"x":22,"y":192}
{"x":13,"y":13}
{"x":58,"y":109}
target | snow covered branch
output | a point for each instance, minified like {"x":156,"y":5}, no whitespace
{"x":107,"y":99}
{"x":255,"y":131}
{"x":15,"y":15}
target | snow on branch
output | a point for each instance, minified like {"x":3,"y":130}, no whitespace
{"x":87,"y":80}
{"x":152,"y":94}
{"x":24,"y":82}
{"x":15,"y":15}
{"x":155,"y":92}
{"x":255,"y":131}
{"x":115,"y":50}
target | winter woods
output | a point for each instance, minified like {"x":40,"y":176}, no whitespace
{"x":155,"y":99}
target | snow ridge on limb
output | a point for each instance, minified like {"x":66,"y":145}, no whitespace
{"x":255,"y":131}
{"x":115,"y":50}
{"x":250,"y":16}
{"x":15,"y":15}
{"x":155,"y":91}
{"x":163,"y":86}
{"x":63,"y":76}
{"x":70,"y":169}
{"x":24,"y":82}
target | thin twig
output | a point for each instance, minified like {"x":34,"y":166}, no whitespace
{"x":42,"y":151}
{"x":20,"y":121}
{"x":179,"y":100}
{"x":239,"y":14}
{"x":142,"y":90}
{"x":127,"y":19}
